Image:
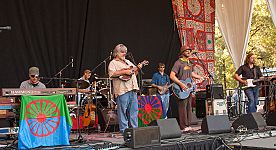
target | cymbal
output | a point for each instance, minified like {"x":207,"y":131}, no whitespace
{"x":80,"y":83}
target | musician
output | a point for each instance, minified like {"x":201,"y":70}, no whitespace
{"x":33,"y":81}
{"x":160,"y":81}
{"x":86,"y":76}
{"x":124,"y":91}
{"x":250,"y":71}
{"x":83,"y":93}
{"x":182,"y":70}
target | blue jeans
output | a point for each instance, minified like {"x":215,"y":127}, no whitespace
{"x":127,"y":105}
{"x":252,"y":95}
{"x":165,"y":98}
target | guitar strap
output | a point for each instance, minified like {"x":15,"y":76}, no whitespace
{"x":255,"y":73}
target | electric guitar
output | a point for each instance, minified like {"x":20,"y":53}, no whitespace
{"x":164,"y":89}
{"x":251,"y":82}
{"x":126,"y":77}
{"x":183,"y":94}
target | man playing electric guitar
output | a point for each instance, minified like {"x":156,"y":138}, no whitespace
{"x":124,"y":90}
{"x":161,"y":81}
{"x":250,"y":71}
{"x":182,"y":70}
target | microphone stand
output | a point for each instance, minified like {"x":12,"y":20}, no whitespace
{"x":210,"y":76}
{"x":204,"y":67}
{"x":59,"y":73}
{"x":140,"y":76}
{"x":105,"y":66}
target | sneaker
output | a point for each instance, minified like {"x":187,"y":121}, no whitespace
{"x":185,"y":129}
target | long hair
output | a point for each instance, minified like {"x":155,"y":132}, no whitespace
{"x":247,"y":58}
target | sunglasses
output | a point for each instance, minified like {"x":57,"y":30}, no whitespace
{"x":34,"y":76}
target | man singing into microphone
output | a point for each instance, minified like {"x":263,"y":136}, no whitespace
{"x":124,"y":90}
{"x":33,"y":81}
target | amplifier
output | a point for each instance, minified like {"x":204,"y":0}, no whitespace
{"x":219,"y":107}
{"x":142,"y":137}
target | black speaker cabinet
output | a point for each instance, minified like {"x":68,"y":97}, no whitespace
{"x":214,"y":90}
{"x":142,"y":137}
{"x":271,"y":119}
{"x":169,"y":128}
{"x":201,"y":106}
{"x":250,"y":121}
{"x":215,"y":124}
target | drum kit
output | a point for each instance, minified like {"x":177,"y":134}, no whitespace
{"x":97,"y":95}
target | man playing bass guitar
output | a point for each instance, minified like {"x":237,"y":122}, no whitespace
{"x":124,"y":90}
{"x":183,"y":70}
{"x":161,"y":81}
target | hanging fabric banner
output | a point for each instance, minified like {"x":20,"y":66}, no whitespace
{"x":44,"y":121}
{"x":195,"y":20}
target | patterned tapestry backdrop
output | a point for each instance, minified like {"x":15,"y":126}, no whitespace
{"x":195,"y":20}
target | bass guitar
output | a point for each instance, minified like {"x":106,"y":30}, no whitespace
{"x":126,"y":77}
{"x":164,"y":89}
{"x":183,"y":94}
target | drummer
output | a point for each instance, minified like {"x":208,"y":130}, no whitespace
{"x":85,"y":87}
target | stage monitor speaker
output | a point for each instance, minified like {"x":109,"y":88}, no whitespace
{"x":271,"y":119}
{"x":214,"y":90}
{"x":215,"y":124}
{"x":169,"y":128}
{"x":108,"y":119}
{"x":250,"y":121}
{"x":142,"y":136}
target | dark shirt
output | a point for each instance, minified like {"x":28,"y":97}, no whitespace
{"x":159,"y":79}
{"x":183,"y":69}
{"x":249,"y":73}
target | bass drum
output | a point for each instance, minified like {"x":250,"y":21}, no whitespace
{"x":73,"y":115}
{"x":103,"y":87}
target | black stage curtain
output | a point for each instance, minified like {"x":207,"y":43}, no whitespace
{"x":47,"y":33}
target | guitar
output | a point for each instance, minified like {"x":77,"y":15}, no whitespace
{"x":251,"y":82}
{"x":164,"y":89}
{"x":126,"y":77}
{"x":89,"y":115}
{"x":183,"y":94}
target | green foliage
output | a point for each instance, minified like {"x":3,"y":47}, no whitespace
{"x":261,"y":42}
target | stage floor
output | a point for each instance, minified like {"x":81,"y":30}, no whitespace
{"x":193,"y":140}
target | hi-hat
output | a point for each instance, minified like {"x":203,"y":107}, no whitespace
{"x":80,"y":83}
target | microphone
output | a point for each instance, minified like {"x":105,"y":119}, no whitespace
{"x":259,"y":58}
{"x":110,"y":55}
{"x":194,"y":53}
{"x":5,"y":28}
{"x":72,"y":61}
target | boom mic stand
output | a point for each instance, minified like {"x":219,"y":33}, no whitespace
{"x":209,"y":75}
{"x":204,"y":68}
{"x":140,"y":76}
{"x":59,"y":73}
{"x":80,"y":138}
{"x":105,"y":66}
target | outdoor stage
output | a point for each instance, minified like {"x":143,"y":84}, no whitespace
{"x":193,"y":140}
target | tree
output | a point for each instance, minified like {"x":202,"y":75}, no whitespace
{"x":261,"y":42}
